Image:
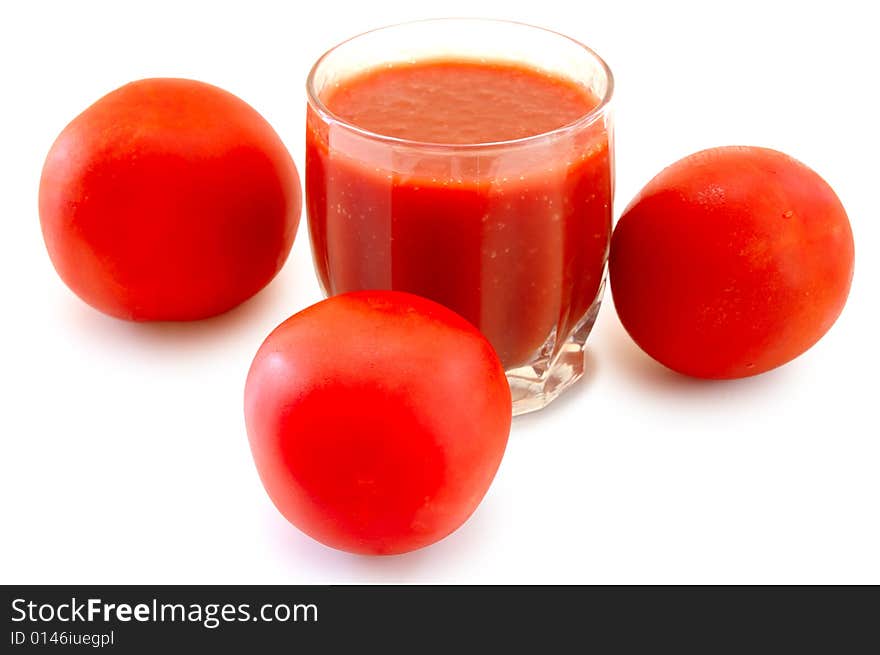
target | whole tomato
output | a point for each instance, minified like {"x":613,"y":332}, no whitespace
{"x":731,"y":262}
{"x":168,"y":199}
{"x":377,"y":420}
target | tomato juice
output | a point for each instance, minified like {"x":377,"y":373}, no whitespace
{"x":484,"y":185}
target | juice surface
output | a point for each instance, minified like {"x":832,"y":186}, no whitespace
{"x":459,"y":101}
{"x":512,"y":237}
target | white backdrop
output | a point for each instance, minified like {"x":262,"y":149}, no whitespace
{"x":124,"y":456}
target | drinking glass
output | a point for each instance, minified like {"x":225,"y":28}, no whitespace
{"x":513,"y":235}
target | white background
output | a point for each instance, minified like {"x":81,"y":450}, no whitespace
{"x":124,"y":455}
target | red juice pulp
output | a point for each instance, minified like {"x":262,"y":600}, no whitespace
{"x":513,"y":236}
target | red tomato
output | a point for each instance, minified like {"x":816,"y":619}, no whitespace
{"x":168,"y":199}
{"x":731,"y":262}
{"x":377,"y":420}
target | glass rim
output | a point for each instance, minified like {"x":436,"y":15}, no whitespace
{"x":582,"y":121}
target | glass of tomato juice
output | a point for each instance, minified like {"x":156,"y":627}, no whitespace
{"x":469,"y":161}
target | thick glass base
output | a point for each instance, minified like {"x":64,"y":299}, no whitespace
{"x":536,"y":385}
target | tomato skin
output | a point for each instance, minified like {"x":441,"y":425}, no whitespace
{"x":168,"y":199}
{"x":731,"y":262}
{"x":377,"y":420}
